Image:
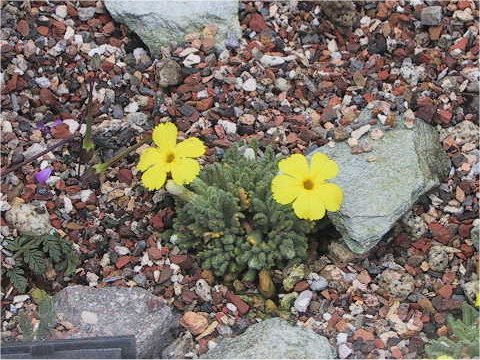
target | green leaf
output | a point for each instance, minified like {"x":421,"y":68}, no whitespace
{"x":35,"y":261}
{"x":25,"y":325}
{"x":17,"y":279}
{"x":52,"y":245}
{"x":46,"y":314}
{"x":38,"y":295}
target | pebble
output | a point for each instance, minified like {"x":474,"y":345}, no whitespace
{"x":132,"y":107}
{"x":344,"y":351}
{"x":140,"y":279}
{"x":117,"y":111}
{"x":342,"y":338}
{"x":438,"y":258}
{"x":34,"y":150}
{"x":168,"y":73}
{"x":121,"y":250}
{"x":229,"y":127}
{"x":357,"y":134}
{"x":282,"y":84}
{"x":268,"y":60}
{"x":396,"y":283}
{"x":61,"y":11}
{"x":92,"y":279}
{"x":43,"y":82}
{"x":86,"y":13}
{"x":376,"y":134}
{"x":463,"y":15}
{"x":303,"y":301}
{"x":29,"y":219}
{"x":203,"y":290}
{"x":250,"y":85}
{"x":191,"y":60}
{"x":431,"y":15}
{"x":317,"y":282}
{"x":194,"y":322}
{"x":294,"y":275}
{"x":20,"y":298}
{"x":69,"y":33}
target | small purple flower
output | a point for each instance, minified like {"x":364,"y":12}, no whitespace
{"x":43,"y":175}
{"x":57,"y":122}
{"x":42,"y":127}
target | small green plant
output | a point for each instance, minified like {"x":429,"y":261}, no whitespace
{"x":36,"y":253}
{"x":230,"y":218}
{"x":464,"y":339}
{"x":46,"y":316}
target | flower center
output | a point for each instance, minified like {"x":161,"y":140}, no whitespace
{"x":308,"y":184}
{"x":170,"y":157}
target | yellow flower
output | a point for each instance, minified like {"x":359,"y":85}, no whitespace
{"x":305,"y":185}
{"x":170,"y":157}
{"x":477,"y":300}
{"x":444,"y":357}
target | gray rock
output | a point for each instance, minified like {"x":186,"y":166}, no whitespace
{"x":160,"y":22}
{"x":408,"y":163}
{"x":317,"y":282}
{"x":431,"y":15}
{"x":140,"y":119}
{"x":475,"y":234}
{"x":117,"y":111}
{"x":29,"y":219}
{"x":471,"y":289}
{"x":273,"y":339}
{"x":269,"y":60}
{"x":396,"y":283}
{"x":168,"y":73}
{"x":341,"y":13}
{"x":303,"y":301}
{"x":116,"y":311}
{"x":86,"y":13}
{"x":438,"y":258}
{"x":180,"y":348}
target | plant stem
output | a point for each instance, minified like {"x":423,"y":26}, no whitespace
{"x":102,"y":167}
{"x":36,"y":156}
{"x":87,"y":143}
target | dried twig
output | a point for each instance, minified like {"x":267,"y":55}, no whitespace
{"x":36,"y":156}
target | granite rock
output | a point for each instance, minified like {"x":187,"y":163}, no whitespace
{"x":407,"y":164}
{"x":115,"y":311}
{"x":273,"y":339}
{"x":158,"y":23}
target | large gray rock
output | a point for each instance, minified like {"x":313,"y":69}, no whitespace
{"x":273,"y":339}
{"x":162,"y":21}
{"x":117,"y":311}
{"x":409,"y":162}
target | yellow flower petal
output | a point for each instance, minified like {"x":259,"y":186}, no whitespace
{"x":150,"y":156}
{"x":285,"y":189}
{"x":165,"y":135}
{"x":154,"y":177}
{"x":191,"y":148}
{"x":295,"y":165}
{"x":184,"y":170}
{"x":323,"y":167}
{"x":308,"y":206}
{"x":331,"y":196}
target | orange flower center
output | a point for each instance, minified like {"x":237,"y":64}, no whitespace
{"x":170,"y":157}
{"x":308,"y":184}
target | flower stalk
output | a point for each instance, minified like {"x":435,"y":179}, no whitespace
{"x":102,"y":167}
{"x":179,"y":190}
